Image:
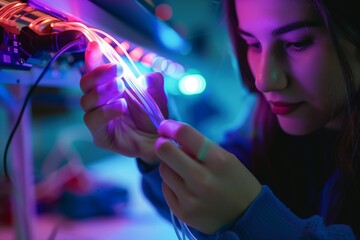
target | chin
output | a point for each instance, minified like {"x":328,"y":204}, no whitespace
{"x":297,"y":128}
{"x":297,"y":132}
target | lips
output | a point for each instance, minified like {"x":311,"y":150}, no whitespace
{"x":283,"y":108}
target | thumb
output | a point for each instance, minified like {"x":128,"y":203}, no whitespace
{"x":155,"y":87}
{"x":154,"y":82}
{"x":93,"y":56}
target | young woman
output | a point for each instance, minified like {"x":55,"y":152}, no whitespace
{"x":293,"y":172}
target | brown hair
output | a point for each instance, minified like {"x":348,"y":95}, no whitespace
{"x":342,"y":20}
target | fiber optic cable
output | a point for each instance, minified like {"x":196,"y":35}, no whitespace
{"x":131,"y":75}
{"x":142,"y":98}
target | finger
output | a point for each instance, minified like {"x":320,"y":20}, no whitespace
{"x":101,"y":75}
{"x":191,"y":141}
{"x":102,"y":95}
{"x":176,"y":159}
{"x":101,"y":116}
{"x":171,"y":178}
{"x":170,"y":198}
{"x":93,"y":56}
{"x":154,"y":82}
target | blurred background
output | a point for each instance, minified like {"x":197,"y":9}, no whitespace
{"x":186,"y":40}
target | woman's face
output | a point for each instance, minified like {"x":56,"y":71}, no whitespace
{"x":294,"y":63}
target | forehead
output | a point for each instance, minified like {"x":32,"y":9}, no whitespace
{"x":272,"y":13}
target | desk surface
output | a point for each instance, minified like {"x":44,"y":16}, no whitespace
{"x":140,"y":222}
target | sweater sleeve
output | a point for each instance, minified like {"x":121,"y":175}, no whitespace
{"x":268,"y":218}
{"x":151,"y":184}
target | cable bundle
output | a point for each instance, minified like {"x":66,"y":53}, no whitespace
{"x":108,"y":45}
{"x":131,"y":75}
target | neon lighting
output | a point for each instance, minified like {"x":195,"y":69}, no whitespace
{"x":159,"y":64}
{"x":148,"y":59}
{"x":164,"y":12}
{"x":124,"y":46}
{"x":192,"y":84}
{"x":130,"y":73}
{"x":172,"y":40}
{"x":136,"y":53}
{"x":107,"y":40}
{"x":175,"y":70}
{"x":111,"y":50}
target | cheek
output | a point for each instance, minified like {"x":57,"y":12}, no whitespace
{"x":254,"y":62}
{"x":321,"y":77}
{"x":324,"y":89}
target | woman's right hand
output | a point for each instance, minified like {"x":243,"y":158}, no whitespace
{"x":115,"y":121}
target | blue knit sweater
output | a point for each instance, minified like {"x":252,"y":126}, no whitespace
{"x":267,"y":217}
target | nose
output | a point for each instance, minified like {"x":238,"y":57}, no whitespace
{"x":270,"y":74}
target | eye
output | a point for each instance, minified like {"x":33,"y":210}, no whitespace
{"x":251,"y":43}
{"x":300,"y":45}
{"x":256,"y":46}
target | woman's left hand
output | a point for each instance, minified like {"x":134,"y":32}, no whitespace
{"x":204,"y":185}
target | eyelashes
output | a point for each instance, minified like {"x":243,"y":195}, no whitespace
{"x":296,"y":46}
{"x":300,"y":45}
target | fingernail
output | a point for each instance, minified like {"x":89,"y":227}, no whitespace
{"x":122,"y":102}
{"x":119,"y":70}
{"x":120,"y":84}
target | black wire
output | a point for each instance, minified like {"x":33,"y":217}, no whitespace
{"x":27,"y":98}
{"x":54,"y":232}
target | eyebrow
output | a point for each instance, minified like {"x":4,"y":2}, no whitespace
{"x":287,"y":28}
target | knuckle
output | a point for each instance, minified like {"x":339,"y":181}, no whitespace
{"x":83,"y":102}
{"x":164,"y":147}
{"x":202,"y":184}
{"x":188,"y":212}
{"x":99,"y":144}
{"x":183,"y":132}
{"x":83,"y":81}
{"x":86,"y":120}
{"x":101,"y":113}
